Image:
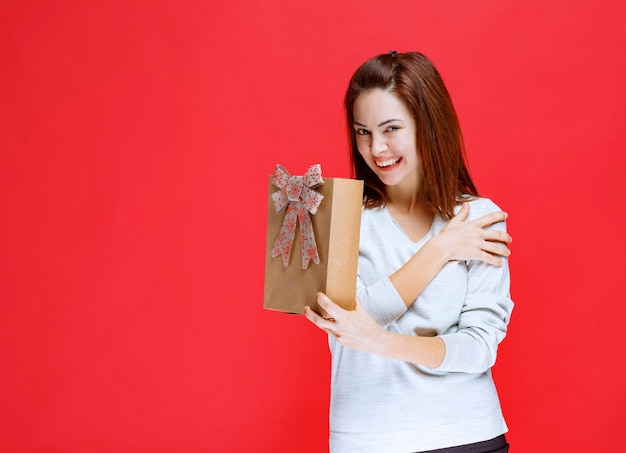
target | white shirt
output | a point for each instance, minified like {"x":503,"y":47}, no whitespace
{"x":384,"y":405}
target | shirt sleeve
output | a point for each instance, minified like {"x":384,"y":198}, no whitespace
{"x":370,"y":297}
{"x":484,"y":317}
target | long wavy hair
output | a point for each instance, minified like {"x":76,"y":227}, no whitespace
{"x":413,"y":79}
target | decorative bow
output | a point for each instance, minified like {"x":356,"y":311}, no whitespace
{"x":296,"y":192}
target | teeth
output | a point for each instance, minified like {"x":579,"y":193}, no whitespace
{"x":388,"y":162}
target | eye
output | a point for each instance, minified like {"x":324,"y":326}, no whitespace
{"x":362,"y":132}
{"x":392,"y":128}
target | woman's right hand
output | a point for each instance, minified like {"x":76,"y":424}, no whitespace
{"x":471,"y":240}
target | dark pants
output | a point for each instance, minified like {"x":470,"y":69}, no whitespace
{"x":496,"y":445}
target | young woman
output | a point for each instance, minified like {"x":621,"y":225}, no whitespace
{"x":411,"y":363}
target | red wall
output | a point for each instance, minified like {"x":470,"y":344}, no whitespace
{"x":136,"y":138}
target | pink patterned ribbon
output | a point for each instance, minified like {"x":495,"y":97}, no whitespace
{"x":296,"y":192}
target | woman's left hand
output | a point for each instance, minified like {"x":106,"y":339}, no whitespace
{"x":355,"y":329}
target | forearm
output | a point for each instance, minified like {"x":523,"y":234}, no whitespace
{"x":426,"y":351}
{"x":388,"y":299}
{"x":411,"y":279}
{"x":357,"y":330}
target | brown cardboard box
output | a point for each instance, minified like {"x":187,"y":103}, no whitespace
{"x":336,"y":226}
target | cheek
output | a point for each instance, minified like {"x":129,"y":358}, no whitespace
{"x":410,"y":149}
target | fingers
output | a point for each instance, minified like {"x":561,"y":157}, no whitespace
{"x":491,"y":259}
{"x":334,"y":312}
{"x":490,"y":219}
{"x":496,"y":249}
{"x":321,"y":323}
{"x":497,"y":236}
{"x":461,"y":216}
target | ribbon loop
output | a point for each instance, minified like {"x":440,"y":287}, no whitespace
{"x":294,"y":188}
{"x":297,"y":194}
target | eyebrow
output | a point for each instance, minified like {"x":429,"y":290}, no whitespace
{"x":381,"y":124}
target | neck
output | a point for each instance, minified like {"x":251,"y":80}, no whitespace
{"x":413,"y":214}
{"x":404,"y":198}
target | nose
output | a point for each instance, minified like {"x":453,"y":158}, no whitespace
{"x":379,"y":144}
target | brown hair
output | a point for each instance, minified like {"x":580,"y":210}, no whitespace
{"x":413,"y":78}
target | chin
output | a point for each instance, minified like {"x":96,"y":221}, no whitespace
{"x":390,"y":181}
{"x":391,"y":177}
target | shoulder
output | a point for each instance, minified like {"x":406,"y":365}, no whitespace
{"x":373,"y":214}
{"x":480,"y":206}
{"x":374,"y":225}
{"x":374,"y":220}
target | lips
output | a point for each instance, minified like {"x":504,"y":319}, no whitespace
{"x":387,"y":162}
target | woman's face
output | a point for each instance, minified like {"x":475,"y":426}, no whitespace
{"x":385,"y":137}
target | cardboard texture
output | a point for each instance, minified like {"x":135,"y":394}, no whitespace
{"x":337,"y":229}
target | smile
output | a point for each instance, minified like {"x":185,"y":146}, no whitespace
{"x":388,"y":162}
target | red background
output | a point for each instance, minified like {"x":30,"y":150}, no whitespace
{"x":136,"y":138}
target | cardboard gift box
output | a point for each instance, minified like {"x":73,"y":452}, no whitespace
{"x":312,"y":243}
